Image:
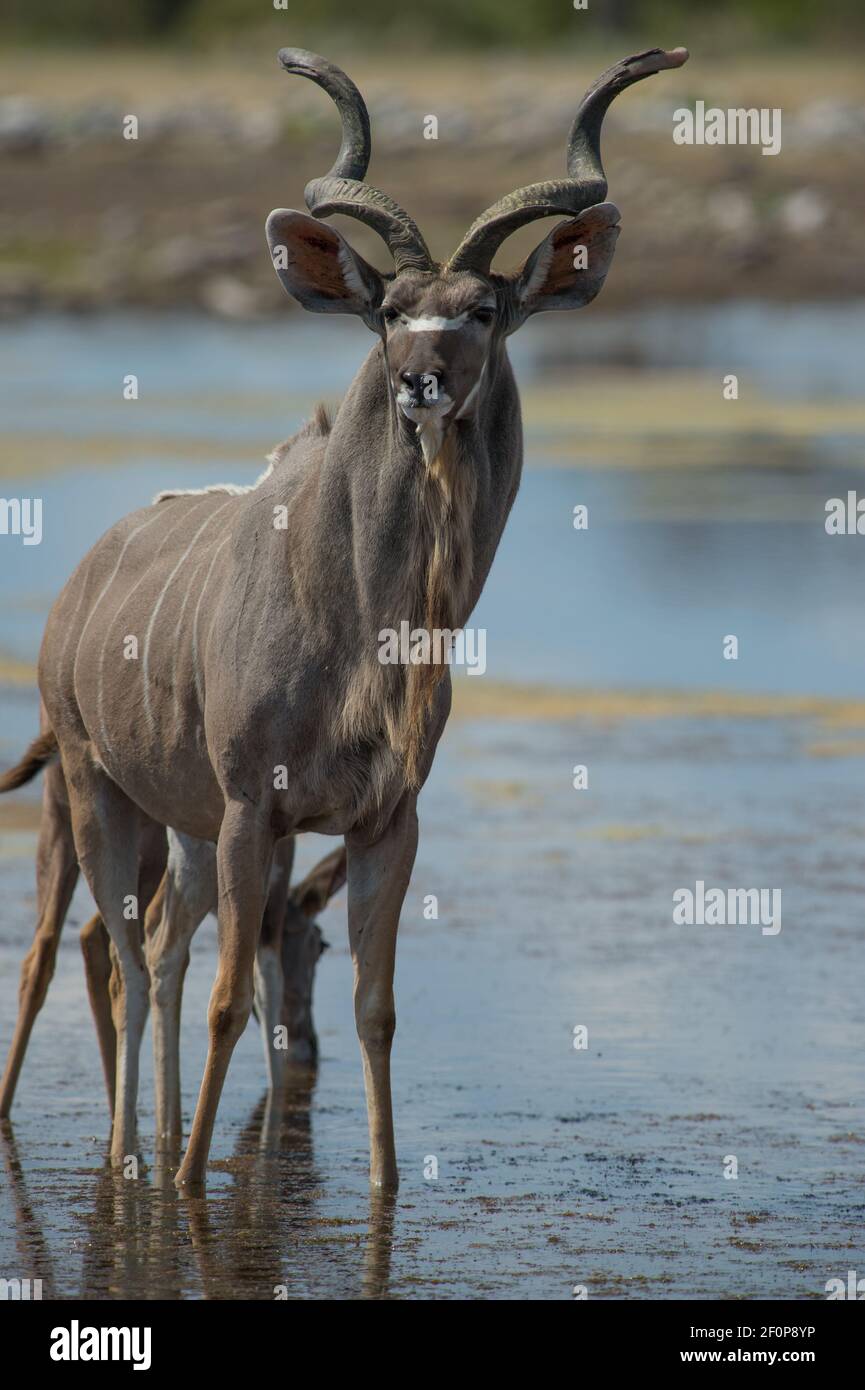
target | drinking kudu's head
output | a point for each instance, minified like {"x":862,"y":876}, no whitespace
{"x":439,"y":323}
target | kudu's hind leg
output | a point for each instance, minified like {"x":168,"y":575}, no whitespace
{"x":243,"y":862}
{"x":267,"y":993}
{"x":378,"y":876}
{"x":107,"y":828}
{"x":268,"y":978}
{"x":56,"y":876}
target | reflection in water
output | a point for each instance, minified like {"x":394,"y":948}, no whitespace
{"x":31,"y":1248}
{"x":379,"y":1245}
{"x":259,"y":1238}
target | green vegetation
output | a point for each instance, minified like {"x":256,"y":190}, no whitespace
{"x":445,"y":23}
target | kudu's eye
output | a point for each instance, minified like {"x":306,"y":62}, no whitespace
{"x":390,"y":314}
{"x":485,"y":314}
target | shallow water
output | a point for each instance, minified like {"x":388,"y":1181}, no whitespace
{"x":556,"y":1167}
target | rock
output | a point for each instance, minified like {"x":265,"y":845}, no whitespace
{"x":828,"y":120}
{"x":24,"y":129}
{"x":178,"y":258}
{"x":97,"y":121}
{"x":230,"y":298}
{"x":260,"y":129}
{"x":731,"y":211}
{"x":803,"y":212}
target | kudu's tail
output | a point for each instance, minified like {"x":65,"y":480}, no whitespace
{"x":41,"y":751}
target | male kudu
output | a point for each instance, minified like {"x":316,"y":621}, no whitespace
{"x":259,"y":707}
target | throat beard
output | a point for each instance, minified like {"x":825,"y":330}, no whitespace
{"x":432,"y":591}
{"x":446,"y":511}
{"x":430,"y":434}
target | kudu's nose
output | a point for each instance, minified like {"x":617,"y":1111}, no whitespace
{"x":425,"y":387}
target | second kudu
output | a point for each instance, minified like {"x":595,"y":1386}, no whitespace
{"x":258,"y":706}
{"x":177,"y":888}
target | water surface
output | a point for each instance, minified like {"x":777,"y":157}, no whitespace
{"x":556,"y":1168}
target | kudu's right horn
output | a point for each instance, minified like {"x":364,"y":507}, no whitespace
{"x":343,"y":189}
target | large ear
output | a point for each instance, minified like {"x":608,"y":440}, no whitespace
{"x":569,"y":267}
{"x":314,"y":892}
{"x":319,"y":269}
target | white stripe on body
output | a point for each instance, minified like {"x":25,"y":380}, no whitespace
{"x":149,"y":633}
{"x":195,"y":671}
{"x":99,"y":683}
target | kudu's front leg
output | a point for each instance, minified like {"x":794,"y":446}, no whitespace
{"x":243,"y":863}
{"x":168,"y":930}
{"x":378,"y":876}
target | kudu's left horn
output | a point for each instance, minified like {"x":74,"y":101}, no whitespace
{"x":342,"y":189}
{"x":586,"y":182}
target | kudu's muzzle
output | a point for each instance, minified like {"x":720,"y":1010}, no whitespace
{"x":420,"y":389}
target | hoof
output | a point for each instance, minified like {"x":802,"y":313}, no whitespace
{"x":192,"y":1186}
{"x":387,"y":1181}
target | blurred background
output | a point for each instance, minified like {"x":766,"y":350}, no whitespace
{"x":604,"y":646}
{"x":93,"y":221}
{"x":147,"y":257}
